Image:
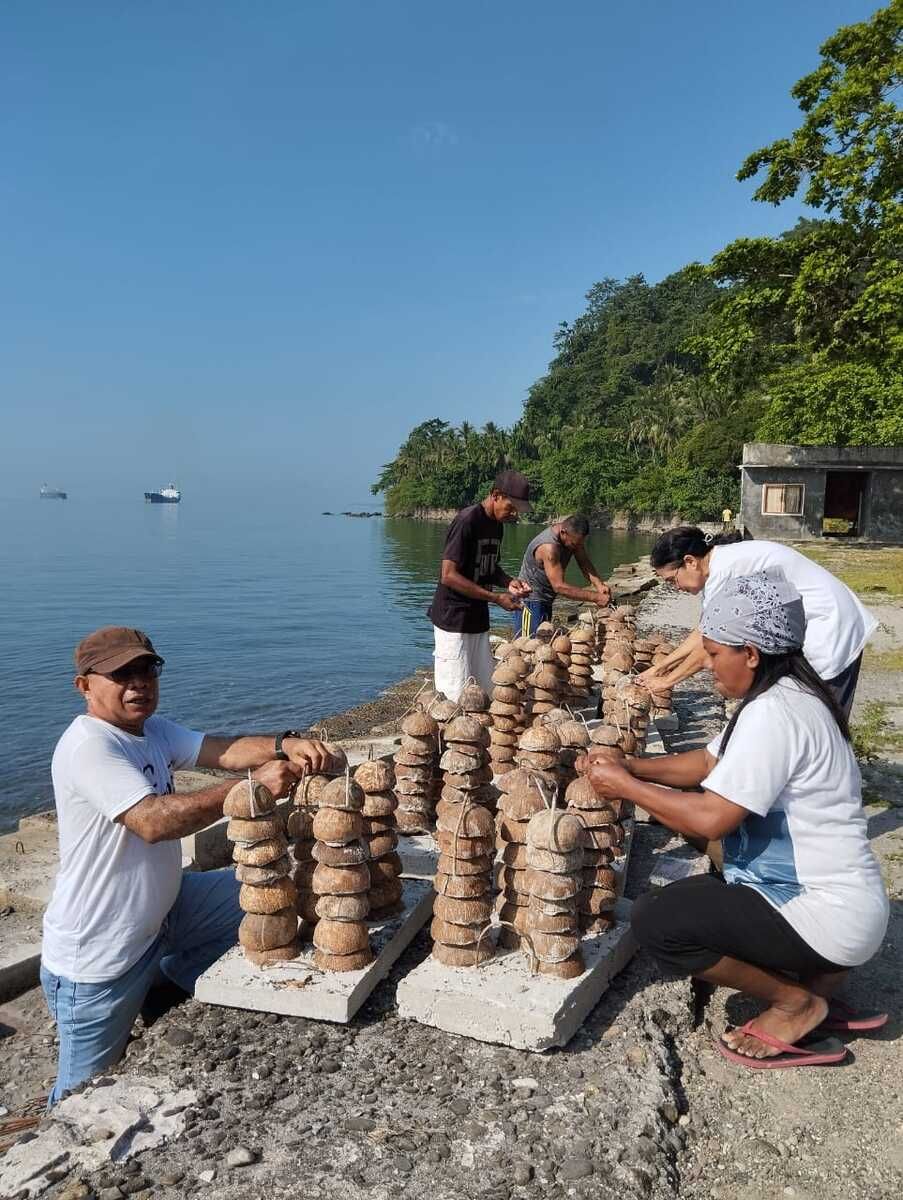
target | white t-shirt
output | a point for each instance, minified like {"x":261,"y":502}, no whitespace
{"x":837,"y":625}
{"x":805,"y":845}
{"x":113,"y":890}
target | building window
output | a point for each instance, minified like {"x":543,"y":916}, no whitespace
{"x":782,"y":499}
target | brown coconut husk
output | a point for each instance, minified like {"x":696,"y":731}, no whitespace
{"x":461,"y":887}
{"x":343,"y":962}
{"x":571,"y":968}
{"x":453,"y":911}
{"x":341,"y":937}
{"x":267,"y":897}
{"x":268,"y":931}
{"x":260,"y":829}
{"x":455,"y":935}
{"x":268,"y":874}
{"x":340,"y":881}
{"x":337,"y":825}
{"x":343,"y":908}
{"x":448,"y":864}
{"x":261,"y":853}
{"x":375,"y":776}
{"x":348,"y":854}
{"x":265,"y":958}
{"x":464,"y":956}
{"x":248,"y":800}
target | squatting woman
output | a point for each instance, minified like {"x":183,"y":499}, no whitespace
{"x":801,"y":900}
{"x":837,"y":625}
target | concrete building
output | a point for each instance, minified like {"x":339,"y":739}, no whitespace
{"x":798,"y":493}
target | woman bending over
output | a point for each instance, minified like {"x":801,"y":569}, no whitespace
{"x":801,"y":901}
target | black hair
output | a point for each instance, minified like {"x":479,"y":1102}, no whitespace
{"x":576,"y":524}
{"x":674,"y":544}
{"x":774,"y":667}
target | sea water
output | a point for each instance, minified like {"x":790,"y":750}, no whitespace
{"x":268,"y":618}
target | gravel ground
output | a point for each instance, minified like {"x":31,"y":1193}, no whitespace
{"x":639,"y":1104}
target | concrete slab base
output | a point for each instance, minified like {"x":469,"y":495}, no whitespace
{"x":299,"y":989}
{"x":418,"y":856}
{"x":19,"y":969}
{"x":502,"y":1002}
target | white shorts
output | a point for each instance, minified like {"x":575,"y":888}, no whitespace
{"x":459,"y":657}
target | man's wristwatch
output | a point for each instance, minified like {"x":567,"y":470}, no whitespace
{"x":280,"y":738}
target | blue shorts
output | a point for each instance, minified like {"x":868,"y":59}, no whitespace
{"x":526,"y":619}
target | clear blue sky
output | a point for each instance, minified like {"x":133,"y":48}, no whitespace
{"x":257,"y":242}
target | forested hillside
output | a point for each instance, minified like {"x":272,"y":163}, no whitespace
{"x":654,"y":387}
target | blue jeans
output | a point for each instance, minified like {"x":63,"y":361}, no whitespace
{"x":526,"y":619}
{"x":94,"y":1020}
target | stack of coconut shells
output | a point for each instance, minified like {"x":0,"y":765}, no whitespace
{"x":416,"y":766}
{"x":602,"y":841}
{"x":522,"y":794}
{"x":341,"y":879}
{"x":627,"y":706}
{"x":547,"y":683}
{"x":268,"y":932}
{"x":507,"y":711}
{"x":555,"y":858}
{"x":465,"y":836}
{"x":580,"y":671}
{"x":376,"y":780}
{"x":662,"y":705}
{"x":306,"y":799}
{"x":574,"y":737}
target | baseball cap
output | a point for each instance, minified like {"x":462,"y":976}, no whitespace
{"x":516,"y":487}
{"x":112,"y":647}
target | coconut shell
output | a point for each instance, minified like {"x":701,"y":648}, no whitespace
{"x":375,"y":776}
{"x":241,"y":803}
{"x":547,"y":886}
{"x":384,"y":870}
{"x":381,"y":843}
{"x":598,"y":817}
{"x":604,"y":735}
{"x":404,"y":758}
{"x":405,"y":786}
{"x":419,"y":725}
{"x":570,"y":968}
{"x":510,"y":830}
{"x":596,"y":900}
{"x":507,"y":724}
{"x":378,"y":805}
{"x":424,"y":772}
{"x":456,"y":935}
{"x":554,"y":947}
{"x":502,"y":754}
{"x":502,"y":767}
{"x":303,"y":850}
{"x":303,"y":875}
{"x":540,"y":760}
{"x":300,"y":824}
{"x":267,"y":897}
{"x":341,"y":937}
{"x":447,"y":864}
{"x":522,"y":805}
{"x":502,"y":737}
{"x":259,"y":830}
{"x":466,"y":821}
{"x":515,"y":914}
{"x":350,"y":854}
{"x":476,"y":912}
{"x":555,"y":830}
{"x":513,"y":854}
{"x":455,"y":763}
{"x":464,"y":956}
{"x":343,"y":962}
{"x":463,"y":847}
{"x":261,"y":853}
{"x":343,"y":908}
{"x":374,"y":825}
{"x":604,"y":838}
{"x":473,"y":698}
{"x":560,"y":923}
{"x":540,"y":738}
{"x":504,"y":676}
{"x":309,"y":789}
{"x":599,"y":877}
{"x":267,"y":931}
{"x":419,"y":745}
{"x":558,"y":863}
{"x":414,"y":821}
{"x":573,"y":734}
{"x":461,"y":887}
{"x":337,"y":825}
{"x":340,"y":881}
{"x":499,"y":708}
{"x":268,"y":874}
{"x":385,"y":895}
{"x":307,"y":908}
{"x":344,"y":794}
{"x":264,"y":958}
{"x":469,"y":781}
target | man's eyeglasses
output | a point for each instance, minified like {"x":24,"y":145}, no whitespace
{"x":140,"y":669}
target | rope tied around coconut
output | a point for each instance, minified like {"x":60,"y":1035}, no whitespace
{"x":532,"y":957}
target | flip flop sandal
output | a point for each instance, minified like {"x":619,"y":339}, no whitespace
{"x":843,"y":1018}
{"x":815,"y":1054}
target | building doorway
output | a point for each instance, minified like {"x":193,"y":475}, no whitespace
{"x":845,"y":493}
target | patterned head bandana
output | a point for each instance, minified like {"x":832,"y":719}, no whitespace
{"x":761,"y":610}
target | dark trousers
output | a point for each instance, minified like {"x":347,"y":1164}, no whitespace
{"x":844,"y":685}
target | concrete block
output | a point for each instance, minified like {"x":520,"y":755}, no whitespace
{"x":669,"y":724}
{"x":502,"y":1002}
{"x":671,"y":865}
{"x":19,"y":969}
{"x":418,"y":856}
{"x":299,"y":989}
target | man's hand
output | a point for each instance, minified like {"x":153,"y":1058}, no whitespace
{"x":605,"y":753}
{"x":508,"y":602}
{"x":277,"y":775}
{"x":609,"y":779}
{"x":519,"y":587}
{"x":603,"y":595}
{"x":309,"y":753}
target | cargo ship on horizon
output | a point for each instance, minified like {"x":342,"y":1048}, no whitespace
{"x":167,"y":495}
{"x":49,"y":493}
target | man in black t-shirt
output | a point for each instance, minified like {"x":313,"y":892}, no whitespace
{"x":470,"y":568}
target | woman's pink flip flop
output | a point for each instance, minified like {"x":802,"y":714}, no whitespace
{"x":815,"y":1054}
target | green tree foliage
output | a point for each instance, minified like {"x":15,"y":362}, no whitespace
{"x":654,"y":387}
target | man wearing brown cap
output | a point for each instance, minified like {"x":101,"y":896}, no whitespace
{"x":122,"y":916}
{"x":470,"y":569}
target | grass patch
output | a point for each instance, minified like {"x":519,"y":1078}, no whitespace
{"x":884,"y":660}
{"x":870,"y":731}
{"x":875,"y":572}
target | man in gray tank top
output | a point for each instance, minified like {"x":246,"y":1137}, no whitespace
{"x":545,"y":563}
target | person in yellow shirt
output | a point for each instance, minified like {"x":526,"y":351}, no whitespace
{"x":727,"y":518}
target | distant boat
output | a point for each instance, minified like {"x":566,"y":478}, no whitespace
{"x":167,"y":495}
{"x":49,"y":493}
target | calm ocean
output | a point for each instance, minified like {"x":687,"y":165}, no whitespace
{"x":267,"y":618}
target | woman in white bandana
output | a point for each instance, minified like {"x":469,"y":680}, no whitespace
{"x":801,"y":900}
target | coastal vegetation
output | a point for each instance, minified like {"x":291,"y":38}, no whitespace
{"x":654,"y":387}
